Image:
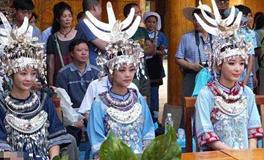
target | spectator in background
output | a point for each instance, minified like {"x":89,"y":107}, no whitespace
{"x":95,"y":44}
{"x":222,"y":7}
{"x":141,"y":33}
{"x":140,"y":36}
{"x":33,"y":20}
{"x":75,"y":78}
{"x":249,"y":75}
{"x":256,"y":16}
{"x":45,"y":36}
{"x":259,"y":30}
{"x":154,"y":62}
{"x":80,"y":16}
{"x":63,"y":33}
{"x":191,"y":54}
{"x":24,"y":9}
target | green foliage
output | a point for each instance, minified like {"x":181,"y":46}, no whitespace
{"x":163,"y":147}
{"x":115,"y":149}
{"x":64,"y":157}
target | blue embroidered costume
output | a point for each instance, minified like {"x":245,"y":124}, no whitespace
{"x":228,"y":115}
{"x":27,"y":125}
{"x":231,"y":122}
{"x":31,"y":130}
{"x":128,"y":118}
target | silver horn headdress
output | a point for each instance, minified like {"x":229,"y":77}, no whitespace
{"x":227,"y":42}
{"x":120,"y":50}
{"x":18,"y":49}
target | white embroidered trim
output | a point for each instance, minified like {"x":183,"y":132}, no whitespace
{"x":234,"y":108}
{"x":125,"y":117}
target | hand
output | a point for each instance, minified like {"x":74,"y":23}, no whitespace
{"x":85,"y":115}
{"x":163,"y":50}
{"x":196,"y":67}
{"x":53,"y":88}
{"x":79,"y":124}
{"x":149,"y":48}
{"x":36,"y":85}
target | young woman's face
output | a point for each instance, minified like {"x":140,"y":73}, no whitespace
{"x":151,"y":23}
{"x":24,"y":79}
{"x":80,"y":53}
{"x":124,"y":76}
{"x":232,"y":69}
{"x":66,"y":19}
{"x":250,"y":22}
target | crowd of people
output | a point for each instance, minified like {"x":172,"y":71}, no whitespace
{"x":112,"y":72}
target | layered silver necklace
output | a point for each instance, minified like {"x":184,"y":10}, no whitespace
{"x":25,"y":105}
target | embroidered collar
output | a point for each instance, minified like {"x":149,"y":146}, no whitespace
{"x":229,"y":94}
{"x":152,"y":34}
{"x":119,"y":97}
{"x":111,"y":101}
{"x":122,"y":111}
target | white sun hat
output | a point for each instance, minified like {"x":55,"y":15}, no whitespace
{"x":148,"y":14}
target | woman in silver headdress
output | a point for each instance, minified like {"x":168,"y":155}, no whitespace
{"x":120,"y":109}
{"x":28,"y":123}
{"x":226,"y":113}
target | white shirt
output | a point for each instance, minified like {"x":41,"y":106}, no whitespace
{"x":94,"y":89}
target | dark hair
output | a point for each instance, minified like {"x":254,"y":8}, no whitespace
{"x":259,"y":22}
{"x":197,"y":11}
{"x":257,"y":15}
{"x":127,"y":8}
{"x":256,"y":22}
{"x":88,"y":4}
{"x":23,"y":4}
{"x":149,"y":39}
{"x":80,"y":15}
{"x":76,"y":42}
{"x":34,"y":15}
{"x":58,"y":10}
{"x":244,"y":9}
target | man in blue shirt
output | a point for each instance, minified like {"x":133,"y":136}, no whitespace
{"x":76,"y":76}
{"x":191,"y":54}
{"x":94,"y":43}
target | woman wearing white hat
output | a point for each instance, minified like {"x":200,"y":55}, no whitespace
{"x":154,"y":62}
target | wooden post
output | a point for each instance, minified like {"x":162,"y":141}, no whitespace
{"x":175,"y":26}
